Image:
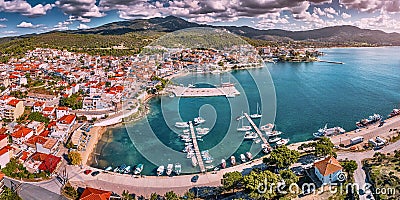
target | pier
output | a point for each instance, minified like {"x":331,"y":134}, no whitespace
{"x":333,"y":62}
{"x":265,"y":141}
{"x":180,"y":91}
{"x":196,"y":148}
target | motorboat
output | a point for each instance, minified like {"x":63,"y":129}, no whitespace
{"x":178,"y":168}
{"x":199,"y":120}
{"x":267,"y":127}
{"x":242,"y":158}
{"x":266,"y":148}
{"x":326,"y":132}
{"x":181,"y":125}
{"x":273,"y":133}
{"x":256,"y":115}
{"x":275,"y":139}
{"x":109,"y":168}
{"x":257,"y":140}
{"x":169,"y":169}
{"x":223,"y":164}
{"x":194,"y":161}
{"x":249,"y":155}
{"x":127,"y":170}
{"x":250,"y":135}
{"x":138,"y":169}
{"x":160,"y":170}
{"x":233,"y":160}
{"x":282,"y":142}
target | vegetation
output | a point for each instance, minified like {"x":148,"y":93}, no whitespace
{"x":349,"y":166}
{"x":70,"y":191}
{"x":74,"y":102}
{"x":36,"y":116}
{"x":14,"y":169}
{"x":8,"y":194}
{"x":260,"y":181}
{"x":232,"y":180}
{"x":171,"y":196}
{"x":75,"y":158}
{"x":126,"y":196}
{"x":324,"y":147}
{"x":282,"y":157}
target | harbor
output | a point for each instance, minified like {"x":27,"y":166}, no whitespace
{"x":196,"y":149}
{"x":227,"y":91}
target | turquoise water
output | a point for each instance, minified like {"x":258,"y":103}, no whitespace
{"x":308,"y":95}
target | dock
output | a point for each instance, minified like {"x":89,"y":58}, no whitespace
{"x":332,"y":62}
{"x":265,"y":141}
{"x":196,"y":148}
{"x":180,"y":91}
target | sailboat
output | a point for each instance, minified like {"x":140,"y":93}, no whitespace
{"x":243,"y":128}
{"x":258,"y":114}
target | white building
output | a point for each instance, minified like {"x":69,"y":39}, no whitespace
{"x":328,"y":170}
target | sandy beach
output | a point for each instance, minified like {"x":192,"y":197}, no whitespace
{"x":96,"y":133}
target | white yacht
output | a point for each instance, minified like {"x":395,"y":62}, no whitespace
{"x":178,"y":168}
{"x":273,"y":133}
{"x":257,"y":115}
{"x":249,"y":155}
{"x":181,"y":125}
{"x":250,"y":135}
{"x":282,"y":142}
{"x":233,"y":160}
{"x":275,"y":139}
{"x":242,"y":158}
{"x":199,"y":120}
{"x":267,"y":127}
{"x":169,"y":169}
{"x":160,"y":170}
{"x":243,"y":128}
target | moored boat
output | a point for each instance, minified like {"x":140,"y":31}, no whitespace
{"x":194,"y":161}
{"x":109,"y":168}
{"x":242,"y":158}
{"x":275,"y":139}
{"x":160,"y":170}
{"x":249,"y":155}
{"x":178,"y":168}
{"x":256,"y":115}
{"x":127,"y":170}
{"x":223,"y":164}
{"x":394,"y":112}
{"x":267,"y":127}
{"x":199,"y":120}
{"x":233,"y":160}
{"x":181,"y":125}
{"x":169,"y":169}
{"x":273,"y":133}
{"x":282,"y":142}
{"x":138,"y":169}
{"x":370,"y":120}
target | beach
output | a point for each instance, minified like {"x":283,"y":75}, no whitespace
{"x":96,"y":133}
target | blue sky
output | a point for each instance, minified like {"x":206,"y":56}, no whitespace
{"x":19,"y":17}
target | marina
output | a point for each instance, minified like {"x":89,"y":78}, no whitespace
{"x":196,"y":149}
{"x":255,"y":127}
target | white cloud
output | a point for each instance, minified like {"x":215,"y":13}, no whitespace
{"x":331,"y":11}
{"x":83,"y":26}
{"x":3,"y":19}
{"x":345,"y":15}
{"x":3,"y":26}
{"x":23,"y":7}
{"x":62,"y":26}
{"x":9,"y":32}
{"x":28,"y":25}
{"x":319,"y":12}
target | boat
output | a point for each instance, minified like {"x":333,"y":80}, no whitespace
{"x":267,"y":127}
{"x":181,"y":125}
{"x":169,"y":169}
{"x":326,"y":132}
{"x":233,"y":160}
{"x":223,"y":164}
{"x":199,"y":120}
{"x":202,"y":131}
{"x":191,"y":86}
{"x":127,"y":170}
{"x":138,"y":169}
{"x":394,"y":112}
{"x":160,"y":170}
{"x":282,"y":142}
{"x":275,"y":139}
{"x":178,"y":168}
{"x":120,"y":169}
{"x":194,"y":161}
{"x":257,"y":115}
{"x":171,"y":95}
{"x":242,"y":158}
{"x":243,"y":128}
{"x":266,"y":148}
{"x":210,"y":167}
{"x":273,"y":133}
{"x":207,"y":157}
{"x":109,"y":168}
{"x":249,"y":155}
{"x":371,"y":120}
{"x":239,"y":117}
{"x":250,"y":135}
{"x":257,"y":140}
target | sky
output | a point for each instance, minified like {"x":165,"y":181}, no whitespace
{"x":18,"y":17}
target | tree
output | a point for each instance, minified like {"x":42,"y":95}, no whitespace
{"x":126,"y":196}
{"x":171,"y":195}
{"x":261,"y":184}
{"x":349,"y":166}
{"x":36,"y":116}
{"x":189,"y":195}
{"x":324,"y":147}
{"x":154,"y":196}
{"x":282,"y":157}
{"x":289,"y":177}
{"x":75,"y":158}
{"x":8,"y":194}
{"x":231,"y":180}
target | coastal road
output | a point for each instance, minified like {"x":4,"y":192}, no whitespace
{"x":33,"y":191}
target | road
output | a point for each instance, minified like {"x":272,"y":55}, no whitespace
{"x":359,"y":175}
{"x":34,"y":191}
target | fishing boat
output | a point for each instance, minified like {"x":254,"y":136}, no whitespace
{"x":138,"y":169}
{"x":109,"y":168}
{"x":199,"y":120}
{"x":181,"y":125}
{"x":273,"y":133}
{"x":194,"y":161}
{"x":257,"y":115}
{"x":160,"y":170}
{"x":371,"y":120}
{"x":178,"y":168}
{"x":282,"y":142}
{"x":242,"y":158}
{"x":267,"y":127}
{"x":250,"y":135}
{"x":169,"y":169}
{"x":394,"y":112}
{"x":223,"y":164}
{"x":233,"y":160}
{"x":275,"y":139}
{"x":249,"y":155}
{"x":326,"y":132}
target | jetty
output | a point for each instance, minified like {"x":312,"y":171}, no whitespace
{"x":196,"y":148}
{"x":265,"y":141}
{"x":333,"y":62}
{"x":227,"y":91}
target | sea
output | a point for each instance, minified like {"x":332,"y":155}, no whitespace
{"x":299,"y":98}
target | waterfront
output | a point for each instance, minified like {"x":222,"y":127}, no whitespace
{"x":308,"y":96}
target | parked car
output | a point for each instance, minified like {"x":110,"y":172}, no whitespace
{"x":95,"y":173}
{"x":88,"y":171}
{"x":195,"y":178}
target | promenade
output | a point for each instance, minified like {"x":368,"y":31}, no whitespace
{"x":180,"y":91}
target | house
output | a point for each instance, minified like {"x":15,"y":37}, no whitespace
{"x":61,"y":111}
{"x":3,"y":140}
{"x":66,"y":122}
{"x":328,"y":170}
{"x":22,"y":135}
{"x":38,"y":106}
{"x":37,"y":127}
{"x":5,"y":156}
{"x":48,"y":162}
{"x":49,"y":111}
{"x":14,"y":109}
{"x":92,"y":193}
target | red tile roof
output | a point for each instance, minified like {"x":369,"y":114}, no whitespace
{"x":95,"y":194}
{"x":5,"y":150}
{"x":48,"y":109}
{"x":67,"y":119}
{"x":2,"y":136}
{"x":49,"y":162}
{"x":38,"y":103}
{"x":22,"y":132}
{"x":24,"y":155}
{"x":13,"y":102}
{"x":328,"y":166}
